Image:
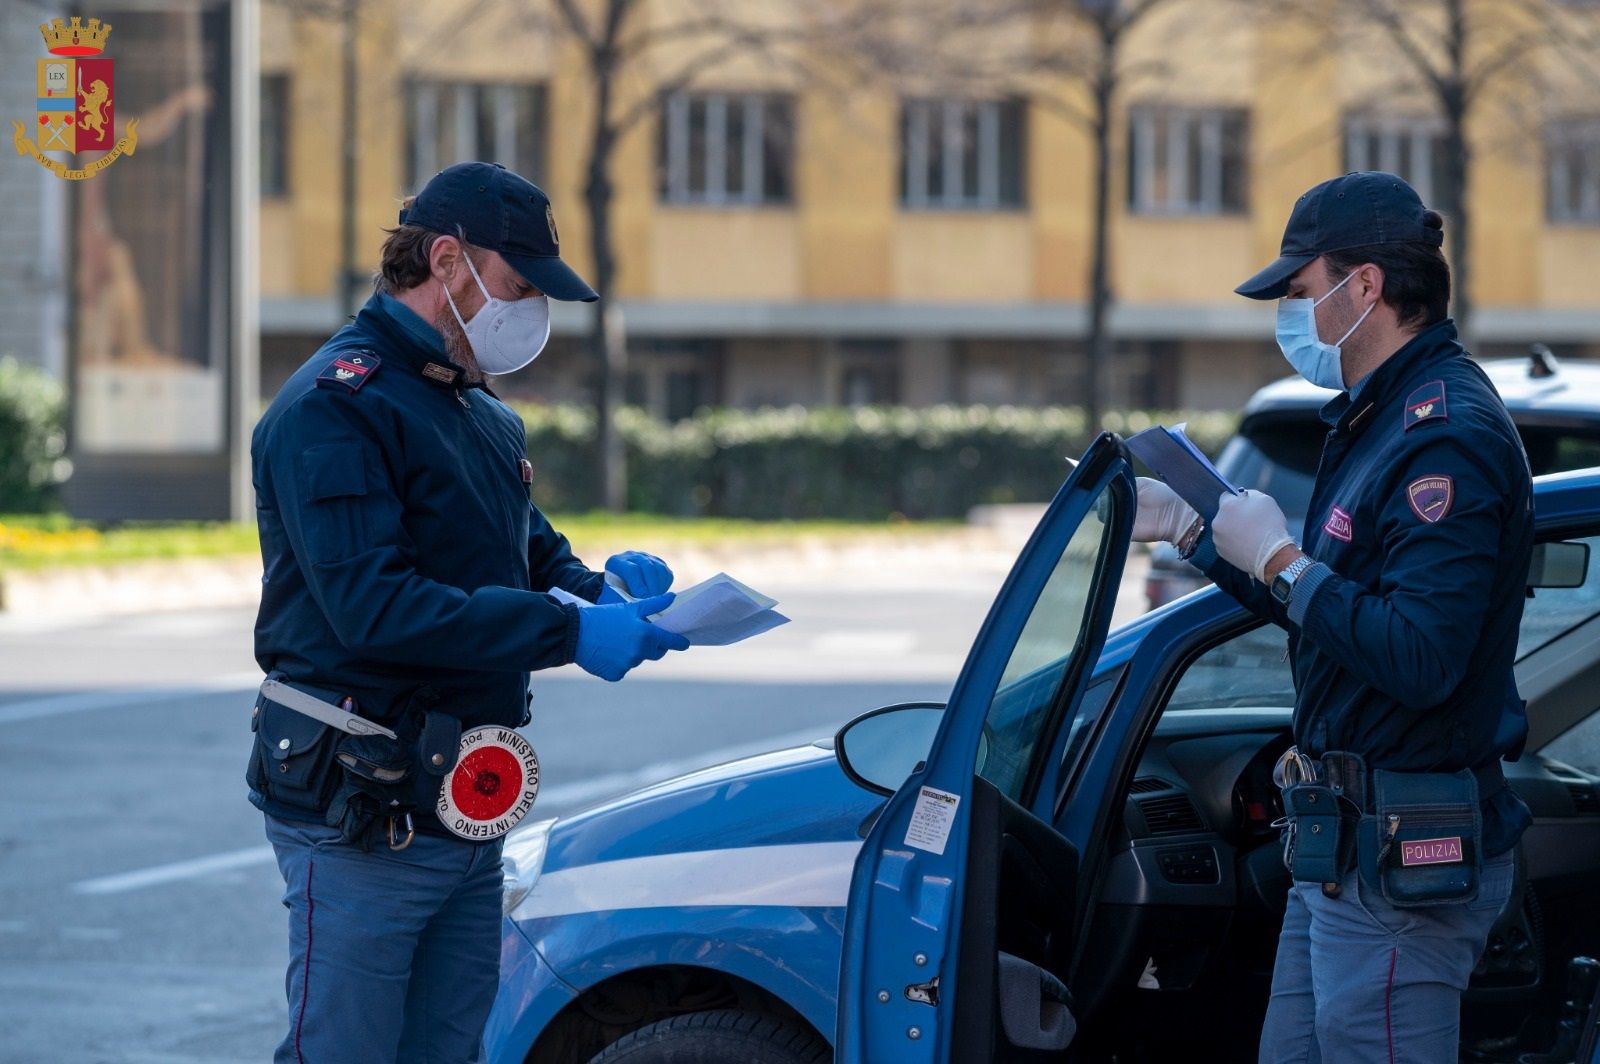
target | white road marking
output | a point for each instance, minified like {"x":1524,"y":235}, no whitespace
{"x":167,"y":873}
{"x":559,"y":799}
{"x":115,"y":697}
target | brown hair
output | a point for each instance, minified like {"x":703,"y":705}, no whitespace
{"x":403,"y":263}
{"x":1416,"y":277}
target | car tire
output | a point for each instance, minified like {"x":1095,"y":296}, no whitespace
{"x":726,"y":1036}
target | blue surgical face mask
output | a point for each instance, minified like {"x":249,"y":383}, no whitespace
{"x":1314,"y":360}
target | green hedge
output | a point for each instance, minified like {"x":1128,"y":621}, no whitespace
{"x":862,"y":464}
{"x":32,"y":438}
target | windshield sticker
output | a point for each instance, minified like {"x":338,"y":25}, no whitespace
{"x":931,"y":820}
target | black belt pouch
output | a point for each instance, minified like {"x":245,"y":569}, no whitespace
{"x":438,"y":746}
{"x":1319,"y":844}
{"x":291,"y":763}
{"x":1420,"y":844}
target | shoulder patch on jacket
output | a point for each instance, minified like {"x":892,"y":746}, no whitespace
{"x":352,"y":370}
{"x":1430,"y":496}
{"x":1425,"y":404}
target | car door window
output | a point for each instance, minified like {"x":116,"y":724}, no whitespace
{"x":1248,"y":670}
{"x":1020,"y":711}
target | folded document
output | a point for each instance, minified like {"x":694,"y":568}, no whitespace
{"x":712,"y":613}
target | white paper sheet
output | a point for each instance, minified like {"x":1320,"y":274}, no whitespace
{"x":713,"y":613}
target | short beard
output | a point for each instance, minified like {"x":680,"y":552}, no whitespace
{"x":458,"y":348}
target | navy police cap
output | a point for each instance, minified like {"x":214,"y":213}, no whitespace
{"x":492,"y":208}
{"x":1357,"y":210}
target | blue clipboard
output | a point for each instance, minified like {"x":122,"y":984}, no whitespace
{"x":1182,"y":466}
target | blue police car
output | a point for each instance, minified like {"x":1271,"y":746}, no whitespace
{"x":1074,"y":859}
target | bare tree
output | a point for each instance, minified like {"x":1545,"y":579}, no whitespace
{"x":622,"y":45}
{"x":1069,"y":57}
{"x":1458,"y":56}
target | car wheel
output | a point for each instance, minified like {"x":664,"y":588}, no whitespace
{"x":726,"y":1036}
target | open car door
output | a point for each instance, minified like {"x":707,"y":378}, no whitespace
{"x":963,"y":901}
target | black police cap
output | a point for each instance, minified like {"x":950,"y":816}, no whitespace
{"x":492,"y":208}
{"x":1356,"y":210}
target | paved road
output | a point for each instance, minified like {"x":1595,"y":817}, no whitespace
{"x":139,"y":915}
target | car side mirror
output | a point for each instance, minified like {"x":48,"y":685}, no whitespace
{"x":1559,"y":565}
{"x":879,"y":750}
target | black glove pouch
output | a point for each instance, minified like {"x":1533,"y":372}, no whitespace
{"x":375,"y":783}
{"x":1420,"y":845}
{"x":1320,"y":844}
{"x":291,"y":763}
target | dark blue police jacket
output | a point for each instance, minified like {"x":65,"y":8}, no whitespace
{"x":1402,"y":638}
{"x":403,"y":558}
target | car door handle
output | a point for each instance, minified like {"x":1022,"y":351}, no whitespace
{"x":1035,"y":1006}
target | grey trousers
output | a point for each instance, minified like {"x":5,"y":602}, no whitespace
{"x":393,"y":956}
{"x":1358,"y":981}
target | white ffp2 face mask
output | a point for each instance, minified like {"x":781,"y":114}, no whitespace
{"x":1314,"y":360}
{"x":505,"y":334}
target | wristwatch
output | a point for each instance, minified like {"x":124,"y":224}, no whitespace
{"x":1283,"y":583}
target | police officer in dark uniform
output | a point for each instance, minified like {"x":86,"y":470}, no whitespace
{"x":406,"y":590}
{"x":1402,"y":598}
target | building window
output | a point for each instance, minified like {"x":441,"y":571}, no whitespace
{"x":1572,"y":164}
{"x":869,"y":373}
{"x":1188,"y":161}
{"x":274,"y":134}
{"x":1411,"y":146}
{"x":451,"y":122}
{"x":726,"y":149}
{"x":961,"y":154}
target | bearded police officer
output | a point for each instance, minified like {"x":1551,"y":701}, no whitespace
{"x":1402,"y":598}
{"x":404,"y":601}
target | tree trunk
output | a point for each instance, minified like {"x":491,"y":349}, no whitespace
{"x":1458,"y":171}
{"x":347,"y":176}
{"x":1100,"y":295}
{"x":607,"y":342}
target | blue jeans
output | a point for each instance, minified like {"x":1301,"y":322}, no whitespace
{"x":1358,"y":981}
{"x":393,"y":956}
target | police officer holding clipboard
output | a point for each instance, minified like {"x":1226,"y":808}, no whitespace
{"x":404,"y":602}
{"x":1402,"y":597}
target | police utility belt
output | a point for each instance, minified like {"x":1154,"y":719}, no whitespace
{"x":1415,"y":837}
{"x":317,"y":756}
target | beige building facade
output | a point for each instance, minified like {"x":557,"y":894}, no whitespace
{"x":780,"y":241}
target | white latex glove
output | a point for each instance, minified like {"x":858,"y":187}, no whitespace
{"x":1162,"y":515}
{"x":1248,"y":530}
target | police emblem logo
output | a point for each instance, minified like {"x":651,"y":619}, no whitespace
{"x":493,"y":785}
{"x":1431,"y":496}
{"x":441,"y":373}
{"x":1339,"y":526}
{"x":75,"y":101}
{"x":550,"y":220}
{"x":1431,"y":851}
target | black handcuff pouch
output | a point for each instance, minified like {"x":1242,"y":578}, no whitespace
{"x":1320,"y":843}
{"x":291,"y":761}
{"x":1421,"y":842}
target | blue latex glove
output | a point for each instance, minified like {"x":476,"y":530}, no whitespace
{"x":614,"y":638}
{"x":644,"y":574}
